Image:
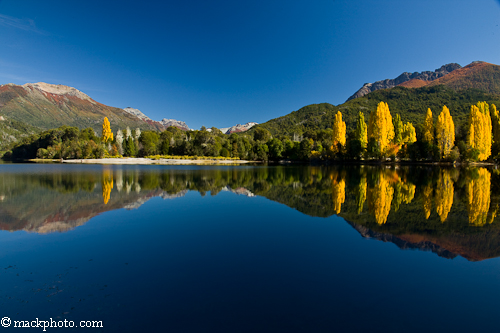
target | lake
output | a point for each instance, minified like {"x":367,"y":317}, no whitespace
{"x":250,"y":248}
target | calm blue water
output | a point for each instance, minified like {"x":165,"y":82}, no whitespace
{"x":204,"y":258}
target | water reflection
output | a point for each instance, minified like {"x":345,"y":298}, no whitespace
{"x":380,"y":195}
{"x":378,"y":201}
{"x":478,"y":191}
{"x":444,"y":194}
{"x":338,"y":190}
{"x":107,"y":185}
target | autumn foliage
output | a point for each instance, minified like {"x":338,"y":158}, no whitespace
{"x":339,"y":130}
{"x":107,"y":135}
{"x":480,"y":130}
{"x":445,"y":133}
{"x":380,"y":127}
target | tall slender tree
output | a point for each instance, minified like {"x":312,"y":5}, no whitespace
{"x":445,"y":132}
{"x":361,"y":133}
{"x":339,"y":130}
{"x":107,"y":135}
{"x":480,"y":130}
{"x":428,"y":127}
{"x":380,"y":127}
{"x":398,"y":130}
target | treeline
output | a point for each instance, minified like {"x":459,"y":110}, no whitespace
{"x":384,"y":137}
{"x":71,"y":143}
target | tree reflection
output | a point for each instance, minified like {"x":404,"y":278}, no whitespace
{"x":405,"y":192}
{"x":338,"y":191}
{"x":427,"y":200}
{"x":107,"y":185}
{"x":478,"y":190}
{"x":361,"y":193}
{"x":380,"y":197}
{"x":444,"y":194}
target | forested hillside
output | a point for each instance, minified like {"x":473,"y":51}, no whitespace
{"x":410,"y":104}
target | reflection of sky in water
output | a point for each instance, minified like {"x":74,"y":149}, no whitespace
{"x":229,"y":263}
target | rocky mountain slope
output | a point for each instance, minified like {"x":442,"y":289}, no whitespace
{"x":419,"y":79}
{"x":164,"y":122}
{"x":238,"y":128}
{"x":46,"y":106}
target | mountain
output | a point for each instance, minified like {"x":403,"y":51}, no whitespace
{"x":458,"y":90}
{"x":477,"y":75}
{"x":166,"y":123}
{"x":46,"y":106}
{"x":238,"y":128}
{"x":418,"y":79}
{"x":176,"y":123}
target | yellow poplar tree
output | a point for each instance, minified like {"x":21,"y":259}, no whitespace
{"x":107,"y":135}
{"x":444,"y":194}
{"x":339,"y":130}
{"x":479,"y":197}
{"x":380,"y":127}
{"x":480,"y":129}
{"x":428,"y":127}
{"x":445,"y":132}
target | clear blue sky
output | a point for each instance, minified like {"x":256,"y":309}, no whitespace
{"x":218,"y":63}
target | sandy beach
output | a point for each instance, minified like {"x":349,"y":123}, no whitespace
{"x":142,"y":161}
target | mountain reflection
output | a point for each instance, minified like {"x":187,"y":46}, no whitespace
{"x":386,"y":203}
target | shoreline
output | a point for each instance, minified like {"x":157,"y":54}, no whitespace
{"x":146,"y":161}
{"x":208,"y":161}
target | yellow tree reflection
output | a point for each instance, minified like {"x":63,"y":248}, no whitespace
{"x":427,"y":200}
{"x":444,"y":194}
{"x":338,"y":191}
{"x":405,"y":192}
{"x":107,"y":185}
{"x":361,"y":194}
{"x":380,"y":198}
{"x":479,"y":197}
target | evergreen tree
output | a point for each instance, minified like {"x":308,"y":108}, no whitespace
{"x":129,"y":149}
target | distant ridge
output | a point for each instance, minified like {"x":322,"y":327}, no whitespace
{"x":426,"y":76}
{"x":238,"y":128}
{"x":477,"y":75}
{"x":166,"y":123}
